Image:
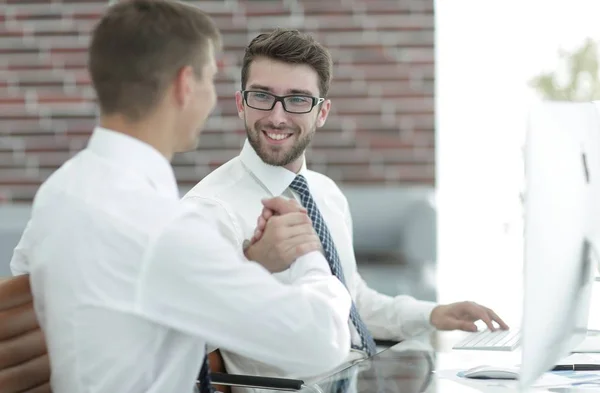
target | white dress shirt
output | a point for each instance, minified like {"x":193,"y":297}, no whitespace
{"x":233,"y":193}
{"x":129,"y":284}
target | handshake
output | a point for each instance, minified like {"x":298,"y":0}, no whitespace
{"x":283,"y":233}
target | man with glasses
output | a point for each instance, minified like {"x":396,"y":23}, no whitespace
{"x":285,"y":80}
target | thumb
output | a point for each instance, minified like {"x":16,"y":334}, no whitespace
{"x":276,"y":204}
{"x":281,"y":205}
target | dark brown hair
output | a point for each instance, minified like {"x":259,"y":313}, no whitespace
{"x":290,"y":46}
{"x":138,"y":47}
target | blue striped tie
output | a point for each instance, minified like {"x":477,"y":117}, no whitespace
{"x":301,"y":187}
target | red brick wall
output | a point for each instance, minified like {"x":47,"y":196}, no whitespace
{"x":381,"y":129}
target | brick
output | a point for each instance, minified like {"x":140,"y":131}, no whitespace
{"x":259,"y":8}
{"x":337,"y":155}
{"x":387,"y":38}
{"x":17,"y":50}
{"x":413,"y":21}
{"x":404,"y":155}
{"x":397,"y":7}
{"x":309,"y":23}
{"x":30,"y":67}
{"x":9,"y":35}
{"x":18,"y":193}
{"x":24,"y":60}
{"x":215,"y":7}
{"x":24,"y":177}
{"x":410,"y":173}
{"x":343,"y":106}
{"x":79,"y":50}
{"x":320,"y":7}
{"x":381,"y":129}
{"x":18,"y":101}
{"x":396,"y":89}
{"x":45,"y":16}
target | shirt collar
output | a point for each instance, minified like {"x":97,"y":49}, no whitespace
{"x":275,"y":178}
{"x":136,"y":155}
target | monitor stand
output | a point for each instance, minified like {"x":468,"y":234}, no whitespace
{"x":591,"y":342}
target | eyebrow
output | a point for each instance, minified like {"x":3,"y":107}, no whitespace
{"x":291,"y":91}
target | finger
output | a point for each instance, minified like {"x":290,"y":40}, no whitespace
{"x":280,"y":205}
{"x":289,"y":220}
{"x":256,"y":236}
{"x":25,"y":376}
{"x":45,"y":388}
{"x":299,"y":246}
{"x":17,"y":320}
{"x":287,"y":237}
{"x":474,"y":312}
{"x":15,"y":291}
{"x":496,"y":318}
{"x":261,"y":223}
{"x":267,"y":213}
{"x":466,"y":326}
{"x":296,"y":206}
{"x":22,"y":348}
{"x":482,"y":314}
{"x":458,"y":324}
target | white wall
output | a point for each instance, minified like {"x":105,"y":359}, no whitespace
{"x":486,"y":53}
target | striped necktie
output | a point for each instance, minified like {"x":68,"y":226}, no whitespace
{"x":300,"y":185}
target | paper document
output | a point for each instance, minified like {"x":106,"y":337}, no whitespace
{"x":548,"y":380}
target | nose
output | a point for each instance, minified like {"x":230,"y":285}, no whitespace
{"x":277,"y":114}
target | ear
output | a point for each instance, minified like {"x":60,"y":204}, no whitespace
{"x":183,"y":86}
{"x":239,"y":103}
{"x":323,"y":113}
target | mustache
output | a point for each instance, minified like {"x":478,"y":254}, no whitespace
{"x":281,"y":127}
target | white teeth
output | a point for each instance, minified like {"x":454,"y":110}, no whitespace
{"x":278,"y":137}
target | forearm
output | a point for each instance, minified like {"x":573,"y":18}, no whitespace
{"x":392,"y":318}
{"x":243,"y":308}
{"x":309,"y":267}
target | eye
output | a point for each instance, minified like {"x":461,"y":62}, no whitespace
{"x":299,"y":100}
{"x":261,"y":96}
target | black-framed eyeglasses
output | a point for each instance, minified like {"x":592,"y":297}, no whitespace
{"x":264,"y":101}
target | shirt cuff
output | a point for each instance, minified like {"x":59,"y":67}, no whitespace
{"x":309,"y":266}
{"x":417,"y":319}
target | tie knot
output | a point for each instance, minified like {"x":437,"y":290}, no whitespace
{"x":300,"y":185}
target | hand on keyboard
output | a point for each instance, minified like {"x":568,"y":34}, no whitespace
{"x":463,"y":315}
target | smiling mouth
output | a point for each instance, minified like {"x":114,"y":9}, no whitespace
{"x":276,"y":136}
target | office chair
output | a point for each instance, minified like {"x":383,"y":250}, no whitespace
{"x":24,"y":362}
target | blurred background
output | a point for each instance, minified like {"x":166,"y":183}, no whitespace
{"x":433,"y":180}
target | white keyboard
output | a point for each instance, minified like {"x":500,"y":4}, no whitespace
{"x":500,"y":340}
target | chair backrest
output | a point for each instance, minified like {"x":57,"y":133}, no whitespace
{"x":24,"y":363}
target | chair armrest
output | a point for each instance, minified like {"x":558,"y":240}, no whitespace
{"x":256,"y":382}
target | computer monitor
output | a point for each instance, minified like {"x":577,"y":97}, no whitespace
{"x":559,"y":233}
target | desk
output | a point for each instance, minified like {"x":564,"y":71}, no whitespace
{"x":410,"y":367}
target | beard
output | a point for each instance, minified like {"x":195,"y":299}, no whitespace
{"x":279,"y":155}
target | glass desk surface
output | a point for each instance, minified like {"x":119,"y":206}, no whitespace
{"x":413,"y":366}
